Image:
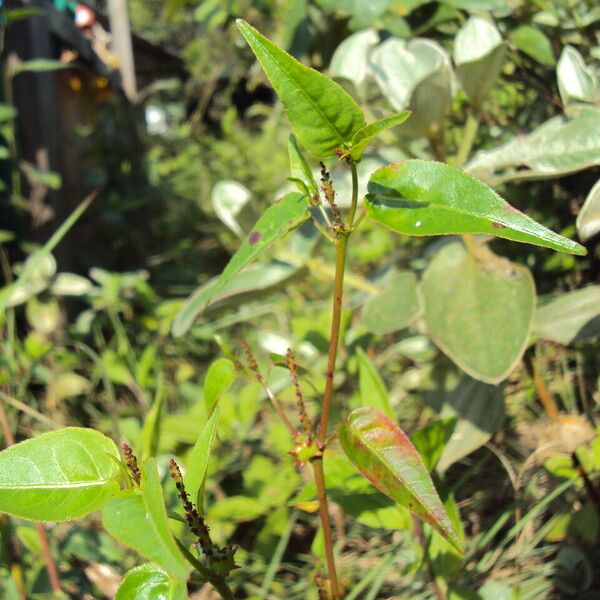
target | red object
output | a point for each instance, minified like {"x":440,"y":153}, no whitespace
{"x":84,"y":17}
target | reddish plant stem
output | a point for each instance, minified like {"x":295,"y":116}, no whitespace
{"x":9,"y":438}
{"x":338,"y":291}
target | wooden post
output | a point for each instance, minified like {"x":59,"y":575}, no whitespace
{"x":121,"y":40}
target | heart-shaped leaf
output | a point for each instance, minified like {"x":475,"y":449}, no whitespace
{"x":139,"y":520}
{"x":323,"y":116}
{"x":576,"y":81}
{"x":278,"y":220}
{"x":150,"y":582}
{"x":59,"y":476}
{"x":350,"y":59}
{"x":478,"y":312}
{"x":383,"y":453}
{"x":420,"y":197}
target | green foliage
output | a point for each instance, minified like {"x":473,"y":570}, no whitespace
{"x":150,"y":582}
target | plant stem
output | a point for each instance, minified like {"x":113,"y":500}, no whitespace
{"x":317,"y":465}
{"x":338,"y":290}
{"x":467,"y":139}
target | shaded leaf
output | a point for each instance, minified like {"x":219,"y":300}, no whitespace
{"x":350,"y":59}
{"x":59,"y":476}
{"x":372,"y":389}
{"x":278,"y":220}
{"x":431,"y":440}
{"x":382,"y":452}
{"x":419,"y":197}
{"x":38,"y":65}
{"x":150,"y":582}
{"x":139,"y":520}
{"x":152,"y":426}
{"x":588,"y":219}
{"x":7,"y":112}
{"x":559,"y":146}
{"x":534,"y":43}
{"x":395,"y":307}
{"x":478,"y":54}
{"x":197,"y":462}
{"x":576,"y":81}
{"x":571,"y":317}
{"x":479,"y":313}
{"x":479,"y":411}
{"x":323,"y":116}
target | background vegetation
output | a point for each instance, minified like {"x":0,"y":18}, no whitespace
{"x":498,"y":395}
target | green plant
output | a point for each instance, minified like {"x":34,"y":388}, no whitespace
{"x":71,"y":472}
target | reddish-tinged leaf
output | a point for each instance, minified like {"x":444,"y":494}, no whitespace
{"x":382,"y":452}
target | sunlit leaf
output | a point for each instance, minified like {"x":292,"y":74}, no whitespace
{"x":350,"y":59}
{"x":278,"y":220}
{"x":382,"y":452}
{"x":139,"y":520}
{"x":150,"y":582}
{"x":299,"y":168}
{"x":218,"y":379}
{"x":59,"y":476}
{"x":431,"y":440}
{"x":478,"y":54}
{"x":197,"y":462}
{"x":322,"y":115}
{"x":372,"y":389}
{"x":366,"y":134}
{"x":570,"y":317}
{"x":418,"y":197}
{"x":478,"y":312}
{"x":534,"y":43}
{"x":588,"y":219}
{"x":229,"y":199}
{"x":576,"y":81}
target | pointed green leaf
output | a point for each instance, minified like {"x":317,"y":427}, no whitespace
{"x":420,"y":197}
{"x":150,"y":582}
{"x":59,"y":476}
{"x":322,"y":115}
{"x":139,"y":520}
{"x":278,"y":220}
{"x":382,"y":452}
{"x":534,"y":43}
{"x":372,"y":389}
{"x":197,"y":463}
{"x":479,"y":313}
{"x":365,"y":134}
{"x":299,"y":168}
{"x":151,"y":426}
{"x":219,"y":377}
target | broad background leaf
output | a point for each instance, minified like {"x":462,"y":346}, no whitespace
{"x":588,"y":219}
{"x":479,"y":313}
{"x":59,"y":476}
{"x":150,"y":582}
{"x":372,"y":389}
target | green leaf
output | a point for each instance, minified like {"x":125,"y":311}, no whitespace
{"x":559,"y":146}
{"x":34,"y":175}
{"x":570,"y":318}
{"x":365,"y":134}
{"x":479,"y":313}
{"x":35,"y":260}
{"x":150,"y":582}
{"x":322,"y":115}
{"x":139,"y":520}
{"x":478,"y":409}
{"x":7,"y":112}
{"x":219,"y":377}
{"x":372,"y":389}
{"x":59,"y":476}
{"x":151,"y":426}
{"x":382,"y":452}
{"x":534,"y":43}
{"x":278,"y":220}
{"x":576,"y":81}
{"x":431,"y":440}
{"x":197,"y":463}
{"x":38,"y":65}
{"x":299,"y":168}
{"x":231,"y":203}
{"x":588,"y":219}
{"x":350,"y":59}
{"x":419,"y":197}
{"x":395,"y":307}
{"x":478,"y":54}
